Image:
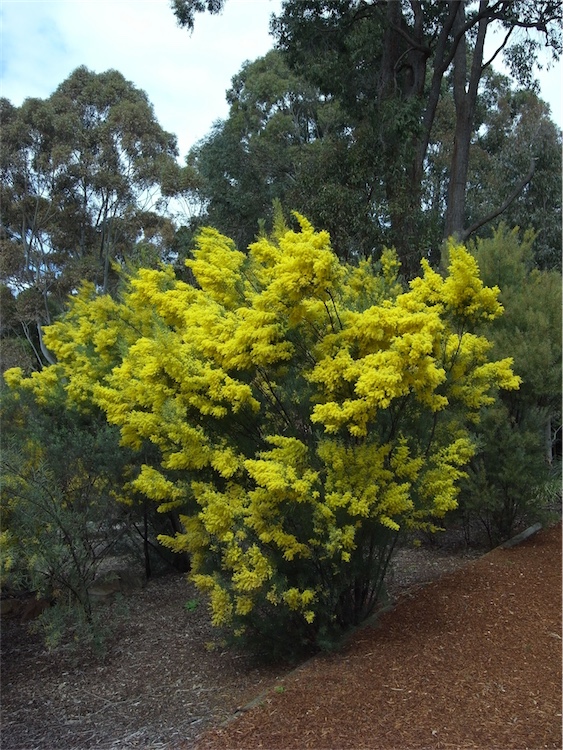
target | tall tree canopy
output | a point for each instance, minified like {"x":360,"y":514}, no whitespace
{"x":81,"y":176}
{"x":388,"y":64}
{"x":283,"y":140}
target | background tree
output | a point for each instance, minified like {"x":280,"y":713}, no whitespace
{"x":81,"y":176}
{"x":283,"y":141}
{"x":62,"y":519}
{"x":68,"y":511}
{"x":386,"y":64}
{"x":517,"y":137}
{"x":515,"y":475}
{"x":414,"y":47}
{"x":514,"y":135}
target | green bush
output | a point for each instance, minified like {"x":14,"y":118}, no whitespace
{"x":515,"y":476}
{"x":61,"y":517}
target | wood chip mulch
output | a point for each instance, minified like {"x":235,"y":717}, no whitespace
{"x":472,"y":660}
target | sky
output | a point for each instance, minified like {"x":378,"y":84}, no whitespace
{"x":184,"y":75}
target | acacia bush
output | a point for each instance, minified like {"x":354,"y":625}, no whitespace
{"x":305,"y":412}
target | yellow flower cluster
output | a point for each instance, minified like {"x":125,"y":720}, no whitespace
{"x":297,"y":403}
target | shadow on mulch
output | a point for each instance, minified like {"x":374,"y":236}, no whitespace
{"x":472,"y":660}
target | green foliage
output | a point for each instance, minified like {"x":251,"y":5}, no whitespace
{"x":65,"y":625}
{"x":515,"y":132}
{"x":284,"y":141}
{"x":185,"y":10}
{"x":61,"y":519}
{"x":509,"y":483}
{"x":344,"y":137}
{"x":304,"y":413}
{"x":514,"y":475}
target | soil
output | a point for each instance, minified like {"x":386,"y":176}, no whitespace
{"x":468,"y":657}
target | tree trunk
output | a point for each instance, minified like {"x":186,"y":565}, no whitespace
{"x":548,"y":442}
{"x":44,"y":351}
{"x":402,"y":73}
{"x":465,"y":98}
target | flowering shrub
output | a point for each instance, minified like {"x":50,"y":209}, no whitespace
{"x":305,"y":412}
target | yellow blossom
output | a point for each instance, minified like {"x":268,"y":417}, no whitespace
{"x":300,"y":411}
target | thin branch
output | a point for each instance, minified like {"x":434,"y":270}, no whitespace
{"x":499,"y":50}
{"x":412,"y":42}
{"x":30,"y":342}
{"x":46,"y":353}
{"x":511,"y":198}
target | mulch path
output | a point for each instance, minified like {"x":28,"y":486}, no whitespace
{"x":472,"y":660}
{"x":469,"y":658}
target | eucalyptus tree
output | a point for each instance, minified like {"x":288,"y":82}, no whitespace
{"x":388,"y":64}
{"x":514,"y":174}
{"x":284,"y":142}
{"x":81,"y":175}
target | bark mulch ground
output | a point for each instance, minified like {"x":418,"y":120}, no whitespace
{"x":472,"y":660}
{"x":469,"y":658}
